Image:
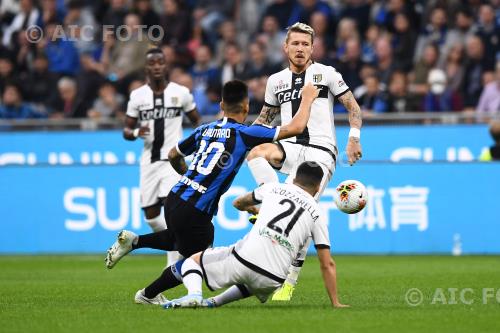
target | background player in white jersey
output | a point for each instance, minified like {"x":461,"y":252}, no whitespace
{"x":258,"y":264}
{"x":157,"y":107}
{"x":318,"y":141}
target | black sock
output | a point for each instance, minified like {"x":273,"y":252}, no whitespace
{"x":244,"y":291}
{"x":162,"y":240}
{"x":167,"y":280}
{"x":298,"y":263}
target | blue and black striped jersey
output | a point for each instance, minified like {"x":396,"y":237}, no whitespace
{"x":220,"y":148}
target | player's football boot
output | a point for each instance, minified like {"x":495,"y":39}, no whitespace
{"x":284,"y":293}
{"x":208,"y":303}
{"x":140,"y":298}
{"x":188,"y":301}
{"x":120,"y":248}
{"x":253,"y":218}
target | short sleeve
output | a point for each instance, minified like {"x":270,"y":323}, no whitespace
{"x":187,"y":146}
{"x":188,"y":104}
{"x":270,"y":98}
{"x":320,"y":235}
{"x":255,"y":135}
{"x":336,"y":83}
{"x":132,"y":107}
{"x":260,"y":192}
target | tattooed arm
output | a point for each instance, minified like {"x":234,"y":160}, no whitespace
{"x":353,"y":108}
{"x":267,"y":115}
{"x":353,"y":144}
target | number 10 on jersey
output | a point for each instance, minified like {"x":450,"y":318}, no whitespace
{"x":202,"y":155}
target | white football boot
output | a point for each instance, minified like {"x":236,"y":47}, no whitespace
{"x":141,"y":299}
{"x":120,"y":248}
{"x":188,"y":301}
{"x":208,"y":303}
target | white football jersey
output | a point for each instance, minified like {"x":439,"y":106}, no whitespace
{"x":163,"y":115}
{"x":287,"y":218}
{"x":283,"y":89}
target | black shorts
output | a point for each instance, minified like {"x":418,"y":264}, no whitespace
{"x":191,"y":228}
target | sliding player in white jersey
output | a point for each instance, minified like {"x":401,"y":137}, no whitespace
{"x":258,"y":264}
{"x":318,"y":141}
{"x":157,"y":107}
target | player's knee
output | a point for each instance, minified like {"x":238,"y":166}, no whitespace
{"x":276,"y":158}
{"x":196,"y":257}
{"x":259,"y":151}
{"x":268,"y":151}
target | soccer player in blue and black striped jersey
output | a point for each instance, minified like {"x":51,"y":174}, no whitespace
{"x":219,"y":150}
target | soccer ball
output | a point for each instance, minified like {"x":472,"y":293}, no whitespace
{"x":351,"y":196}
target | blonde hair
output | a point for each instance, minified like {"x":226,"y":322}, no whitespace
{"x":302,"y":28}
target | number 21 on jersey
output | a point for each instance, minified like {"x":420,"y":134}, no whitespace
{"x":290,"y":210}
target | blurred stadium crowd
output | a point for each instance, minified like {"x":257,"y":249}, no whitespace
{"x":396,"y":55}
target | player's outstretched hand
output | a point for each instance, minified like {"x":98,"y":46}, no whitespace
{"x":353,"y":150}
{"x":144,"y":131}
{"x":310,"y":92}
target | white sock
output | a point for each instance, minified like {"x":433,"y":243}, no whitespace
{"x":157,"y":223}
{"x":262,"y":171}
{"x":293,"y":274}
{"x":296,"y":266}
{"x":191,"y":276}
{"x":231,"y":294}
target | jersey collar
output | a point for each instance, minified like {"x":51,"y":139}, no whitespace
{"x":228,"y":120}
{"x":302,"y":190}
{"x":151,"y":89}
{"x":305,"y":70}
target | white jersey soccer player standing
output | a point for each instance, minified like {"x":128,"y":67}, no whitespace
{"x":318,"y":141}
{"x":157,"y":107}
{"x":258,"y":264}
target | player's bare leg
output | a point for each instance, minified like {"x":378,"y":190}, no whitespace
{"x":156,"y":220}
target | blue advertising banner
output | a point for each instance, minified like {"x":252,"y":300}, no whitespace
{"x":380,"y":143}
{"x":71,"y":192}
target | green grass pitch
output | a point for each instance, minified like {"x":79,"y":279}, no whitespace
{"x":77,"y":294}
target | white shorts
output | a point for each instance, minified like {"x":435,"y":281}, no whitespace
{"x":157,"y":179}
{"x":222,"y":269}
{"x":295,"y":154}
